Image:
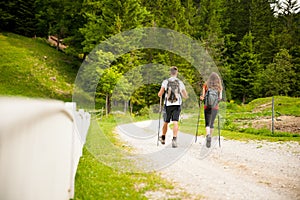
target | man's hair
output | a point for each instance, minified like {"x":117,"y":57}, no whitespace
{"x":173,"y":70}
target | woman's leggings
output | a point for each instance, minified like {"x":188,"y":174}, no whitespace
{"x":210,"y":116}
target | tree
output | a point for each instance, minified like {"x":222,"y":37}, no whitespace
{"x":108,"y":17}
{"x":237,"y":18}
{"x":74,"y":21}
{"x":52,"y":19}
{"x":287,"y":24}
{"x":295,"y":88}
{"x":279,"y":76}
{"x":106,"y":86}
{"x":245,"y":70}
{"x":18,"y":17}
{"x":7,"y":17}
{"x":261,"y":25}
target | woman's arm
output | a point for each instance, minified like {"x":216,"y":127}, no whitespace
{"x":203,"y":93}
{"x":220,"y":96}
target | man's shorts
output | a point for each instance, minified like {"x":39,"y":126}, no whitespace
{"x":172,"y":113}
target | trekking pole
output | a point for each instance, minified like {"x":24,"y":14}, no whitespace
{"x":198,"y":120}
{"x":159,"y":115}
{"x":219,"y":130}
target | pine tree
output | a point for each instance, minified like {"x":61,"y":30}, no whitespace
{"x":74,"y":21}
{"x":287,"y":24}
{"x":279,"y":76}
{"x":18,"y":17}
{"x":108,"y":17}
{"x":244,"y":70}
{"x":237,"y":18}
{"x":261,"y":26}
{"x":7,"y":16}
{"x":53,"y":19}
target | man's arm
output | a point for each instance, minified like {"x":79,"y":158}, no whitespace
{"x":184,"y":94}
{"x":161,"y":91}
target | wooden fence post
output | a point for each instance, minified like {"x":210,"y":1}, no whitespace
{"x":273,"y":115}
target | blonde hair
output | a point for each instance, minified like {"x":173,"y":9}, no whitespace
{"x":214,"y":82}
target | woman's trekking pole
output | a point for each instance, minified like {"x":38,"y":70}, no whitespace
{"x":159,"y":115}
{"x":198,"y":120}
{"x":219,"y":130}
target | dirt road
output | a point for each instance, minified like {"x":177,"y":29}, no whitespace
{"x":236,"y":170}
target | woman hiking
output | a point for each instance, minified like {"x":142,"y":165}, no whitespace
{"x":211,"y":94}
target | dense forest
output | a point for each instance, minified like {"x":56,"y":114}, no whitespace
{"x":254,"y":43}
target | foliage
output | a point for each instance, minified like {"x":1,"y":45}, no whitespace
{"x":18,"y":16}
{"x":249,"y":41}
{"x":244,"y":70}
{"x":279,"y":76}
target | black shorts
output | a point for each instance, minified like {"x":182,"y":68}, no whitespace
{"x":172,"y":113}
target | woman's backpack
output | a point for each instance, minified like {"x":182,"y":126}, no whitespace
{"x":211,"y":99}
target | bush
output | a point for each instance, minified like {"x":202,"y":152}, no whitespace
{"x":144,"y":112}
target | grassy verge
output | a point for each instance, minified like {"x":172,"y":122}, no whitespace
{"x":98,"y":177}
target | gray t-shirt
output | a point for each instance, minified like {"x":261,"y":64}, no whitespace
{"x":181,"y":87}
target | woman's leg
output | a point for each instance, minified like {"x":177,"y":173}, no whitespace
{"x":207,"y":115}
{"x":212,"y":121}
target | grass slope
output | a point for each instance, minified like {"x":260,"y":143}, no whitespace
{"x":30,"y":67}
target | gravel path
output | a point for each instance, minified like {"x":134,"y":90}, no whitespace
{"x":236,"y":170}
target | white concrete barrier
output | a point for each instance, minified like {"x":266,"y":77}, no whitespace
{"x":40,"y":147}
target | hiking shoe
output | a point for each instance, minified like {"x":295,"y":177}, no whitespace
{"x":161,"y":140}
{"x":208,"y":141}
{"x":174,"y":143}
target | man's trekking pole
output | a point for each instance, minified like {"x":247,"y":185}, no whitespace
{"x":159,"y":115}
{"x":219,"y":130}
{"x":198,"y":120}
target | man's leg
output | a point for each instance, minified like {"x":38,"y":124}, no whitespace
{"x":175,"y":128}
{"x":167,"y":117}
{"x":175,"y":118}
{"x":165,"y":128}
{"x":164,"y":132}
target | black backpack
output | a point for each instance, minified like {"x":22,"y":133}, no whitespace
{"x":211,"y":98}
{"x":172,"y":91}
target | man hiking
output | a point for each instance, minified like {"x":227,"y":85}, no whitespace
{"x":174,"y":90}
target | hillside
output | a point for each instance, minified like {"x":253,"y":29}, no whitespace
{"x":30,"y":67}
